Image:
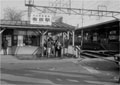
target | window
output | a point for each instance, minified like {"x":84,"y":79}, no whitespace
{"x":95,"y":37}
{"x":47,"y":19}
{"x":15,"y":40}
{"x":113,"y":36}
{"x":41,"y":19}
{"x":34,"y":19}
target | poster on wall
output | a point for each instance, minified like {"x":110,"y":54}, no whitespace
{"x":113,"y":35}
{"x":9,"y":39}
{"x":40,"y":18}
{"x":95,"y":38}
{"x":20,"y":40}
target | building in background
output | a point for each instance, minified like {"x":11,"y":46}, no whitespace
{"x":106,"y":34}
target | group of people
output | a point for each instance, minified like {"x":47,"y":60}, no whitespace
{"x":52,"y":48}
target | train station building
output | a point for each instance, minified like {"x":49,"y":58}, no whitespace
{"x":24,"y":35}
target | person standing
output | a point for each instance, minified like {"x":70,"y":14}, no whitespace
{"x":48,"y":48}
{"x":45,"y":48}
{"x":4,"y":46}
{"x":59,"y":47}
{"x":53,"y":48}
{"x":56,"y":50}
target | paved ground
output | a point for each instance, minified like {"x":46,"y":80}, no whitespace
{"x":58,"y":71}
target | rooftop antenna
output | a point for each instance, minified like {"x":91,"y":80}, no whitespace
{"x":103,"y":7}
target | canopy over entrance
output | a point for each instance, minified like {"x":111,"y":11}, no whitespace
{"x":22,"y":33}
{"x":56,"y":26}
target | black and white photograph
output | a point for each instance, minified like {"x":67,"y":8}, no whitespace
{"x":59,"y":42}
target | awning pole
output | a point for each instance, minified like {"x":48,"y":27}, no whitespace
{"x":73,"y":38}
{"x":63,"y":43}
{"x":82,"y":37}
{"x":42,"y":41}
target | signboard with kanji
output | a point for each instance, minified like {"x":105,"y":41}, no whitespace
{"x":40,"y":19}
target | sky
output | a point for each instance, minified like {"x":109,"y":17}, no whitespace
{"x":112,"y":5}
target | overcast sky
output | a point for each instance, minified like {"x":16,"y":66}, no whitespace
{"x":112,"y":5}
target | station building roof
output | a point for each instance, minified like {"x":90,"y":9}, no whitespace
{"x":104,"y":25}
{"x":56,"y":26}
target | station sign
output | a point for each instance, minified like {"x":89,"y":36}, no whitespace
{"x":40,"y":18}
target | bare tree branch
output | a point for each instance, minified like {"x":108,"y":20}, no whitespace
{"x":13,"y":14}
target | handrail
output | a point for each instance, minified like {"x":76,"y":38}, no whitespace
{"x":78,"y":51}
{"x":35,"y":51}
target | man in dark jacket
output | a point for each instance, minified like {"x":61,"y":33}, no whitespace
{"x":4,"y":46}
{"x":58,"y":48}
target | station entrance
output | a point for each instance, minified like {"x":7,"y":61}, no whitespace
{"x":22,"y":36}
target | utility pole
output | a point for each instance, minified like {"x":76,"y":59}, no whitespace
{"x":30,"y":4}
{"x":82,"y":35}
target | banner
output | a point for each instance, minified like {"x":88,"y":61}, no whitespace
{"x":40,"y":19}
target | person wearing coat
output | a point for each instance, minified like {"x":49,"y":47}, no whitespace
{"x":4,"y":46}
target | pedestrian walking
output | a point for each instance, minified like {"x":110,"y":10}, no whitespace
{"x":4,"y":46}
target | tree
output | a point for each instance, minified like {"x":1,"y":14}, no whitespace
{"x":12,"y":14}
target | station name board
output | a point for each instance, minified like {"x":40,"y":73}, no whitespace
{"x":40,"y":19}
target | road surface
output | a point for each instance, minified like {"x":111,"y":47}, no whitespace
{"x":57,"y":72}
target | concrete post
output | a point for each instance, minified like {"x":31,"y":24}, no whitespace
{"x":82,"y":37}
{"x":42,"y":41}
{"x":63,"y":44}
{"x":68,"y":35}
{"x":73,"y":40}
